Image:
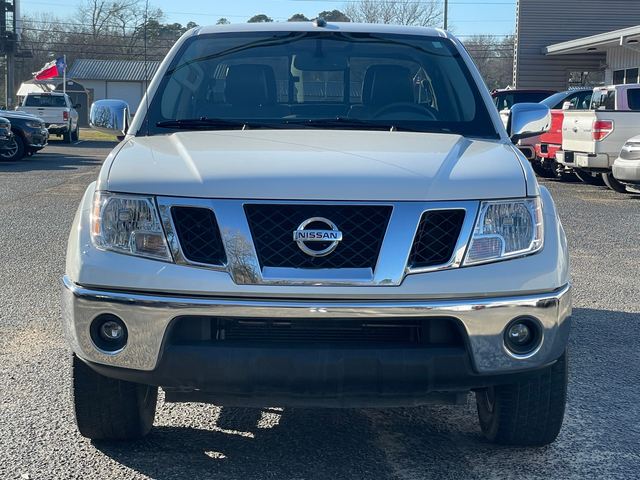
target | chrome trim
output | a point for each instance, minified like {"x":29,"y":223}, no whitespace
{"x":242,"y":259}
{"x":460,"y":249}
{"x":147,"y":318}
{"x":172,"y":238}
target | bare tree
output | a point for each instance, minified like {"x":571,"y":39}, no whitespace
{"x":399,"y":12}
{"x":494,"y":58}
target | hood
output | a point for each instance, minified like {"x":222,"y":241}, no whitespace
{"x":17,"y":114}
{"x":316,"y":165}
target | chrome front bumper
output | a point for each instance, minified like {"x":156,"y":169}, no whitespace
{"x":147,"y":317}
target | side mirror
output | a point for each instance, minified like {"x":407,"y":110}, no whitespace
{"x":528,"y":120}
{"x":110,"y":117}
{"x":567,"y":106}
{"x":77,"y":106}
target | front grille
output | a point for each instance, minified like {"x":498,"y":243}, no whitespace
{"x":199,"y":235}
{"x":391,"y":331}
{"x":436,"y":238}
{"x":362,"y":226}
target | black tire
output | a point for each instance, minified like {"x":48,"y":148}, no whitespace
{"x":75,"y":135}
{"x":66,"y":136}
{"x":527,"y":413}
{"x":16,"y":150}
{"x":590,"y":178}
{"x":110,"y":409}
{"x":613,"y":184}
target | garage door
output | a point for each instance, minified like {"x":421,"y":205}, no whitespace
{"x":130,"y":92}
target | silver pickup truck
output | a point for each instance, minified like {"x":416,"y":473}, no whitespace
{"x":319,"y":215}
{"x":592,"y":139}
{"x":56,"y":111}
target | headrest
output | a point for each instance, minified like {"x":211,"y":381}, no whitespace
{"x":385,"y":84}
{"x":250,"y":84}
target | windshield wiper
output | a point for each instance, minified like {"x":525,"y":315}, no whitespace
{"x":349,"y":123}
{"x":203,"y":123}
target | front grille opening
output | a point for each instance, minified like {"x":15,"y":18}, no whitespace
{"x":199,"y":236}
{"x":422,"y":332}
{"x":436,"y":238}
{"x":363,"y":228}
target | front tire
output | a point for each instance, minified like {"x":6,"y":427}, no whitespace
{"x":590,"y":178}
{"x":613,"y":184}
{"x":15,"y":151}
{"x":527,"y":413}
{"x":110,"y":409}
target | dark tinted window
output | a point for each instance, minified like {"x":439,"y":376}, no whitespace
{"x":44,"y":101}
{"x":633,"y":98}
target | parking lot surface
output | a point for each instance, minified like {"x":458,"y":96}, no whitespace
{"x":38,"y":438}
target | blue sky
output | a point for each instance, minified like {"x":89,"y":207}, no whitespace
{"x":467,"y":17}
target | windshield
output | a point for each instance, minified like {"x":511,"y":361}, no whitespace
{"x":579,"y":99}
{"x":509,"y":99}
{"x":318,"y":80}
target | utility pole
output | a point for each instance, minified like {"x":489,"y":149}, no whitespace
{"x":8,"y":47}
{"x":445,"y":14}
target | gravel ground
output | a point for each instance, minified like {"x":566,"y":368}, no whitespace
{"x":38,"y":438}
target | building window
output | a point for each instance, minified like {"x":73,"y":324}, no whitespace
{"x":630,"y":75}
{"x":618,"y":77}
{"x":586,"y":79}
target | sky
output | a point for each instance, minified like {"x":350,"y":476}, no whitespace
{"x":466,"y":17}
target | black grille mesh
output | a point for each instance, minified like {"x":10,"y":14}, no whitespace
{"x":199,"y":235}
{"x":435,"y":331}
{"x":436,"y":237}
{"x":362,"y":226}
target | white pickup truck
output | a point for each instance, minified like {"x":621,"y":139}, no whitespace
{"x":322,"y":215}
{"x":57,"y":112}
{"x":592,"y":139}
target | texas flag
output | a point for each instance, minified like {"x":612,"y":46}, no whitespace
{"x":52,"y":69}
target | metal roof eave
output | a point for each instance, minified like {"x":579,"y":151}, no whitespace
{"x":599,"y":42}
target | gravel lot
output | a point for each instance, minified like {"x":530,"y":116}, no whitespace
{"x":38,"y":438}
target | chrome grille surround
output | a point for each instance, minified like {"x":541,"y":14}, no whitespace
{"x":392,"y":262}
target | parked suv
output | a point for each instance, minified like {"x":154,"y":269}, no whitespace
{"x":30,"y":135}
{"x":318,"y":215}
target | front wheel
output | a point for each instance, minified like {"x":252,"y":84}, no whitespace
{"x":15,"y":150}
{"x":613,"y":184}
{"x":590,"y":178}
{"x":110,"y":409}
{"x":527,"y":413}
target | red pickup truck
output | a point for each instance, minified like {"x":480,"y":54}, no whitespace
{"x":544,"y":163}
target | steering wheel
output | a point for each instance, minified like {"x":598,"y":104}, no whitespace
{"x":403,"y":107}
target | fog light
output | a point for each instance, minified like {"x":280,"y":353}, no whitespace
{"x":519,"y":334}
{"x":523,"y":335}
{"x":108,"y":333}
{"x":111,"y":331}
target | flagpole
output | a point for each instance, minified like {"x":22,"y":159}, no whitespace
{"x":64,"y":76}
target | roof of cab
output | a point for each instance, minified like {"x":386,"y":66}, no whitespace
{"x":330,"y":27}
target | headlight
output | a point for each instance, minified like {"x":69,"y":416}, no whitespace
{"x":128,"y":224}
{"x":35,"y":124}
{"x":630,"y":151}
{"x":506,"y":229}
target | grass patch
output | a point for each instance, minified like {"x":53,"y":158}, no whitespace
{"x":89,"y":134}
